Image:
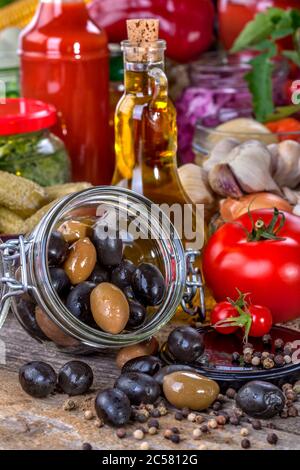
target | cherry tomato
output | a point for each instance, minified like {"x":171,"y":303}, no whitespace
{"x":261,"y":320}
{"x":223,"y":311}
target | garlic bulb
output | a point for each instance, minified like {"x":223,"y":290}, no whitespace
{"x":194,"y":181}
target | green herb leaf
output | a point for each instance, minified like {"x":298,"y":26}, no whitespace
{"x":260,"y":85}
{"x":294,"y":56}
{"x":282,"y":112}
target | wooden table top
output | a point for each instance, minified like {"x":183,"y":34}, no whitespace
{"x":28,"y":423}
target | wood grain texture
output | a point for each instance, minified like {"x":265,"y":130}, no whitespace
{"x":27,"y":423}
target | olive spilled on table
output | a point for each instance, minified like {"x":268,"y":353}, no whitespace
{"x":78,"y":302}
{"x":148,"y":347}
{"x":260,"y":399}
{"x":113,"y":406}
{"x":186,"y":344}
{"x":109,"y":247}
{"x":149,"y":365}
{"x":81,"y":261}
{"x":121,"y":275}
{"x":140,"y":388}
{"x":37,"y":378}
{"x":60,"y":281}
{"x":137,"y":314}
{"x":75,"y":378}
{"x":109,"y":307}
{"x":148,"y":284}
{"x":58,"y":249}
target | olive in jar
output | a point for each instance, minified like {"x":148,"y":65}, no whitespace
{"x":109,"y":307}
{"x":148,"y":284}
{"x":26,"y":311}
{"x":137,"y":315}
{"x":58,"y":249}
{"x":78,"y":302}
{"x":122,"y":274}
{"x":60,"y":281}
{"x":73,"y":230}
{"x":260,"y":399}
{"x":81,"y":261}
{"x":75,"y":378}
{"x":185,"y":344}
{"x":99,"y":274}
{"x":149,"y":365}
{"x":108,"y":245}
{"x":37,"y":378}
{"x":114,"y":406}
{"x":140,"y":388}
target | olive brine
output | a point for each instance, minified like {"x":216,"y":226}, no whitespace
{"x":96,"y":283}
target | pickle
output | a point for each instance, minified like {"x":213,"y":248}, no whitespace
{"x":60,"y":190}
{"x":20,"y":195}
{"x":31,"y":222}
{"x":10,"y":223}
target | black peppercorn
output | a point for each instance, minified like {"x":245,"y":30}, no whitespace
{"x":236,"y":357}
{"x":279,"y":344}
{"x":86,"y":446}
{"x":279,"y":360}
{"x":185,"y":412}
{"x":155,"y":413}
{"x":217,"y":406}
{"x":175,"y":438}
{"x":230,"y":393}
{"x":267,"y":340}
{"x":272,"y":438}
{"x":256,"y":424}
{"x":175,"y":430}
{"x":153,"y":423}
{"x":204,"y":428}
{"x":246,"y":444}
{"x":234,"y":420}
{"x":178,"y":416}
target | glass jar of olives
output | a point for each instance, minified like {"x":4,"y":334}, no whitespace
{"x":101,"y":270}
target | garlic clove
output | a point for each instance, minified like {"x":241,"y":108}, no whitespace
{"x":288,"y":164}
{"x":219,"y":152}
{"x":223,"y":182}
{"x":194,"y":181}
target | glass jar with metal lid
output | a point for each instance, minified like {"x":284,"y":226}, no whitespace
{"x":26,"y":280}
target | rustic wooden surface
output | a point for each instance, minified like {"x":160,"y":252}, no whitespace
{"x":27,"y":423}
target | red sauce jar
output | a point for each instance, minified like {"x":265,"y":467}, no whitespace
{"x":64,"y":61}
{"x":235,"y":14}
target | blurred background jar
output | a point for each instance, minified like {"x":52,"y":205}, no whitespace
{"x":27,"y":146}
{"x":9,"y":62}
{"x":235,"y":14}
{"x":116,"y":89}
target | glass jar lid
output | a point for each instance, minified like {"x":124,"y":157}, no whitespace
{"x":22,"y":115}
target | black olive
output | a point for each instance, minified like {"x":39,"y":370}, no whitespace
{"x":185,"y":344}
{"x":114,"y":406}
{"x":137,"y":314}
{"x":148,"y":284}
{"x":75,"y":378}
{"x":26,"y":312}
{"x":60,"y":281}
{"x":57,"y":249}
{"x":160,"y":375}
{"x":37,"y":378}
{"x":149,"y":365}
{"x":78,"y":302}
{"x":140,"y":388}
{"x":128,"y":291}
{"x":260,"y":399}
{"x":122,"y":274}
{"x":109,"y":247}
{"x":99,"y":274}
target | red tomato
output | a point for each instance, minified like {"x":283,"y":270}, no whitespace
{"x":261,"y":320}
{"x":269,"y":269}
{"x":223,"y":311}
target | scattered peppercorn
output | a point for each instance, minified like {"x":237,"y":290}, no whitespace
{"x":138,"y":434}
{"x":175,"y":438}
{"x":87,"y":446}
{"x":255,"y":361}
{"x":217,"y":406}
{"x":287,"y":359}
{"x":244,"y":432}
{"x":264,"y":355}
{"x":185,"y":412}
{"x":267,"y":340}
{"x":221,"y":420}
{"x":248,"y":352}
{"x":178,"y":416}
{"x":69,"y":405}
{"x":256,"y":424}
{"x":296,"y":387}
{"x":88,"y":414}
{"x":192,"y":417}
{"x":196,"y":433}
{"x":245,"y":443}
{"x":230,"y":393}
{"x":293,"y":412}
{"x":145,"y":446}
{"x":272,"y":438}
{"x":279,"y":344}
{"x":291,"y":395}
{"x":152,"y":431}
{"x":279,"y":360}
{"x":199,"y":419}
{"x":235,"y":357}
{"x":268,"y":363}
{"x":212,"y":423}
{"x":234,"y":420}
{"x":99,"y":423}
{"x":121,"y":433}
{"x":167,"y":433}
{"x":175,"y":430}
{"x":204,"y":428}
{"x":153,"y":423}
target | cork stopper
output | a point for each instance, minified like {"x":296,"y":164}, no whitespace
{"x":142,"y":31}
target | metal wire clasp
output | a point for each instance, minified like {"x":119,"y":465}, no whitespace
{"x":13,"y":256}
{"x":194,"y":284}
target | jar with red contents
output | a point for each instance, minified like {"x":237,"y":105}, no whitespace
{"x":235,"y":14}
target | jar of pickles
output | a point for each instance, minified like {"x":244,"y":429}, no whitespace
{"x":103,"y":269}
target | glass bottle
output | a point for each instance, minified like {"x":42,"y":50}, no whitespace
{"x":64,"y":62}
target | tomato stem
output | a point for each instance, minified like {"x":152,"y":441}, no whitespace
{"x":261,"y":231}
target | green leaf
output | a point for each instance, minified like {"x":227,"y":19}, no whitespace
{"x":294,"y":56}
{"x":254,"y":32}
{"x":282,"y":112}
{"x":260,"y":85}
